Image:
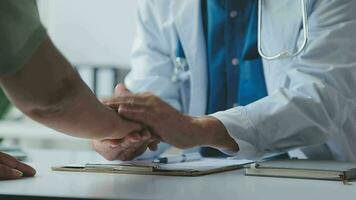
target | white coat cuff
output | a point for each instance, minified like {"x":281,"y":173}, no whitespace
{"x":241,"y":130}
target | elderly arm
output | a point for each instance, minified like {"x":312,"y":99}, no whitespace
{"x":50,"y":91}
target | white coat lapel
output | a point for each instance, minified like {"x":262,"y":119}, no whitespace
{"x":281,"y":31}
{"x":188,"y":20}
{"x":281,"y":25}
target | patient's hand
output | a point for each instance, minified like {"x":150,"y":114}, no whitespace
{"x":127,"y":148}
{"x":10,"y":168}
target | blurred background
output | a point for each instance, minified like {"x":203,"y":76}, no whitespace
{"x":96,"y":37}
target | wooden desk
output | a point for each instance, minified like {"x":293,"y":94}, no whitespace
{"x":229,"y":185}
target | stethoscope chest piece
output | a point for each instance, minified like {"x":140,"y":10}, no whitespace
{"x":181,"y":72}
{"x":181,"y":68}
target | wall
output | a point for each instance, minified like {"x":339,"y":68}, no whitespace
{"x":94,"y":32}
{"x":89,"y":33}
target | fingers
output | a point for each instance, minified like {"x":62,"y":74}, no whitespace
{"x":113,"y":143}
{"x":140,"y":147}
{"x":27,"y":170}
{"x":153,"y":146}
{"x":9,"y":173}
{"x":139,"y":151}
{"x":107,"y":148}
{"x":121,"y":90}
{"x":136,"y":137}
{"x":134,"y":151}
{"x":134,"y":147}
{"x":115,"y":102}
{"x":17,"y":167}
{"x":137,"y":113}
{"x":154,"y":142}
{"x":122,"y":149}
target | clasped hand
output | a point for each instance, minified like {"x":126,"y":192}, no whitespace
{"x":162,"y":123}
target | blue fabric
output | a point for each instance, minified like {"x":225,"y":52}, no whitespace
{"x":179,"y":51}
{"x":228,"y":38}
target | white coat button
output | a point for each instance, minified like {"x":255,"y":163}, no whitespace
{"x":235,"y":61}
{"x":233,"y":14}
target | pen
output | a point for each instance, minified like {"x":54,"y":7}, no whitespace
{"x":179,"y":158}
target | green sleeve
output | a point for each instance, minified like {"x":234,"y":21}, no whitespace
{"x":21,"y":32}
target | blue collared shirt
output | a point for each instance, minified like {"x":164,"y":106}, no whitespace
{"x":235,"y":68}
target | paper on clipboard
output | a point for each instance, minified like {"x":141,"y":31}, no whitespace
{"x":193,"y":168}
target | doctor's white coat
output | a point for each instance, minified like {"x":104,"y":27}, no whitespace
{"x":311,"y":97}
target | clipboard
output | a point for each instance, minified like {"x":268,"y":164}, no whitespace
{"x":305,"y":169}
{"x":188,"y":169}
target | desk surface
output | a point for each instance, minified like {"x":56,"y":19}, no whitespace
{"x":229,"y":185}
{"x":29,"y":129}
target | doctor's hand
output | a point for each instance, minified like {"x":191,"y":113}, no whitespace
{"x":129,"y":147}
{"x":10,"y":168}
{"x":173,"y":127}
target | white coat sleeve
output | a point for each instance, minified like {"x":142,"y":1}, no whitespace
{"x":316,"y":97}
{"x":152,"y":65}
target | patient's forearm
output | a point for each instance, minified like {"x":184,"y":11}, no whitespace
{"x":51,"y":92}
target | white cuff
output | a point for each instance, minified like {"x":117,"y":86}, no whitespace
{"x":241,"y":130}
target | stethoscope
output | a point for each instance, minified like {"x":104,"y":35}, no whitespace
{"x":181,"y":69}
{"x":283,"y":54}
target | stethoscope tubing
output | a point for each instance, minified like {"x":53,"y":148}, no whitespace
{"x":180,"y":73}
{"x":285,"y":53}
